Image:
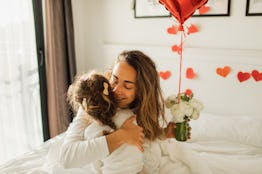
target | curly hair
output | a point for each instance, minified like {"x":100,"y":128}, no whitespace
{"x":99,"y":106}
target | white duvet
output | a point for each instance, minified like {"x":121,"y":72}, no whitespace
{"x":163,"y":157}
{"x":215,"y":148}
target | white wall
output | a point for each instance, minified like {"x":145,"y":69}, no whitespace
{"x":226,"y":96}
{"x":88,"y":26}
{"x":99,"y":22}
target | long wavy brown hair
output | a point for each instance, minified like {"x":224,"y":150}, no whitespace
{"x":90,"y":87}
{"x":149,"y":103}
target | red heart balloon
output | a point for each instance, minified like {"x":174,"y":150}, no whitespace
{"x":182,"y":9}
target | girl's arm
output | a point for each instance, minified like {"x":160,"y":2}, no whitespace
{"x":77,"y":152}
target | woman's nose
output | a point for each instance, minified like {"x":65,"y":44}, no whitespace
{"x":117,"y":89}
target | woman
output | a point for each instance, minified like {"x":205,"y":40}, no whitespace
{"x":93,"y":93}
{"x":136,"y":85}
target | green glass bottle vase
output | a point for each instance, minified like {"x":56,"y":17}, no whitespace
{"x":181,"y":131}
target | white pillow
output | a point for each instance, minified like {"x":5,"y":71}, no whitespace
{"x":245,"y":129}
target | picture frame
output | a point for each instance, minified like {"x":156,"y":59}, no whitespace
{"x":149,"y":9}
{"x":254,"y":8}
{"x":216,"y":8}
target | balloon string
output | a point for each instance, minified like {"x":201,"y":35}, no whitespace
{"x":180,"y":63}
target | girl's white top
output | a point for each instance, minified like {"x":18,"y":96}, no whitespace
{"x":85,"y":145}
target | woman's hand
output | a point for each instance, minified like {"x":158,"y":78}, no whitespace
{"x":189,"y":129}
{"x":169,"y":130}
{"x":170,"y":133}
{"x":133,"y":134}
{"x":128,"y":133}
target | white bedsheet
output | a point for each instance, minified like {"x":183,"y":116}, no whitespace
{"x":163,"y":157}
{"x":220,"y":144}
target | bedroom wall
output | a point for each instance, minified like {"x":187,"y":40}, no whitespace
{"x":99,"y":22}
{"x":106,"y":27}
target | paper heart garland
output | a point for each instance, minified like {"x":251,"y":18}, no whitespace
{"x":172,"y":30}
{"x":256,"y":75}
{"x":243,"y":76}
{"x":192,"y":29}
{"x":176,"y":48}
{"x":165,"y":75}
{"x":190,"y":74}
{"x":223,"y":71}
{"x":204,"y":9}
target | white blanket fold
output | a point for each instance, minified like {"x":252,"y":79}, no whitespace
{"x":160,"y":157}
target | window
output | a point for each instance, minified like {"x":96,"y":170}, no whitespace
{"x":21,"y":127}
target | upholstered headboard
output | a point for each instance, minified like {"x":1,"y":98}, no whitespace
{"x":222,"y":95}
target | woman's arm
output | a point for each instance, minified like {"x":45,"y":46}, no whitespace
{"x":128,"y":133}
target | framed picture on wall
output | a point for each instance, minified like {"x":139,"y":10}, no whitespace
{"x":214,"y":8}
{"x":254,"y":8}
{"x":150,"y":9}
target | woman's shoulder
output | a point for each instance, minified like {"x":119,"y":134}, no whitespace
{"x":121,"y":116}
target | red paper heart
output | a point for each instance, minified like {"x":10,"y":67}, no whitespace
{"x":204,"y":9}
{"x":176,"y":48}
{"x":192,"y":29}
{"x":223,"y":71}
{"x":243,"y":76}
{"x":165,"y":75}
{"x":172,"y":30}
{"x":190,"y":74}
{"x":256,"y":75}
{"x":182,"y":9}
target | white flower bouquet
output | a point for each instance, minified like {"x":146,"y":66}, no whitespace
{"x":182,"y":110}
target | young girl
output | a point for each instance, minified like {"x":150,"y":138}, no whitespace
{"x":93,"y":94}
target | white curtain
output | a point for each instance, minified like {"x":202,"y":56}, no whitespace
{"x":20,"y":112}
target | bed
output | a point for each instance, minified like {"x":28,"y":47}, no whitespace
{"x":227,"y":136}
